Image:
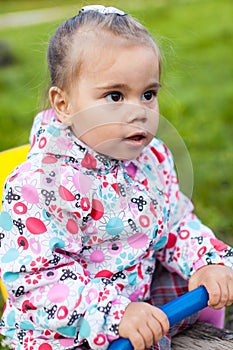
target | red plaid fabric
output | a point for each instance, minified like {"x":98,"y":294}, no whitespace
{"x":165,"y":287}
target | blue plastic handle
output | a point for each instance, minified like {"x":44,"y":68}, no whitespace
{"x":176,"y":310}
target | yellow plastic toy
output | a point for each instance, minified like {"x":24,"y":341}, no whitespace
{"x":9,"y":159}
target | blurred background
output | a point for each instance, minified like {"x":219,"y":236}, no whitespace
{"x":196,"y":39}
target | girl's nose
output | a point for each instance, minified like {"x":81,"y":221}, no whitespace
{"x":136,"y":113}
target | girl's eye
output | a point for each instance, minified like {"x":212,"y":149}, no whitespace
{"x":114,"y":96}
{"x":149,"y":95}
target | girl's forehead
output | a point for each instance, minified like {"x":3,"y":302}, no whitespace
{"x":133,"y":67}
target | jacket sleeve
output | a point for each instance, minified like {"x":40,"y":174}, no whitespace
{"x":190,"y":244}
{"x":42,"y":267}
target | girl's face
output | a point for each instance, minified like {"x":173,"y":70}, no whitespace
{"x":113,"y":103}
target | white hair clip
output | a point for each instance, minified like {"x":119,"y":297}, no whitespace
{"x":102,"y":9}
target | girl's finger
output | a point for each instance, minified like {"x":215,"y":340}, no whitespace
{"x":214,"y":294}
{"x":147,"y":335}
{"x":137,"y":341}
{"x":156,"y":329}
{"x":224,"y":296}
{"x":163,"y":320}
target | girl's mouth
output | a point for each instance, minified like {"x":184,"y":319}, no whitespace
{"x":136,"y":139}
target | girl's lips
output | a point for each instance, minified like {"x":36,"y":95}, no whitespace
{"x":136,"y":139}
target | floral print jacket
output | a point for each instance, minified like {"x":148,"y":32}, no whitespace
{"x":80,"y":235}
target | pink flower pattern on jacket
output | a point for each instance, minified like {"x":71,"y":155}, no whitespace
{"x":80,"y":235}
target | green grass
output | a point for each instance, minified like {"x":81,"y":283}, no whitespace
{"x":28,"y":5}
{"x":196,"y":96}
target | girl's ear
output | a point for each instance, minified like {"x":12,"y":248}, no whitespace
{"x":60,"y":104}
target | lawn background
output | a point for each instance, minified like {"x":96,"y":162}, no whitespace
{"x":196,"y":38}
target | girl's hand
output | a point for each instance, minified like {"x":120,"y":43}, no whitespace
{"x":143,"y":324}
{"x":218,"y":280}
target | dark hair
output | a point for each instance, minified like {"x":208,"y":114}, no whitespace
{"x":61,"y":44}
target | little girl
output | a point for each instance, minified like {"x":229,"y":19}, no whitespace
{"x":94,"y":228}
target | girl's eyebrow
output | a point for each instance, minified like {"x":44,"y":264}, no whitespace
{"x":154,"y":85}
{"x":112,"y":87}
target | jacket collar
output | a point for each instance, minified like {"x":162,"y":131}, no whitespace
{"x":50,"y":137}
